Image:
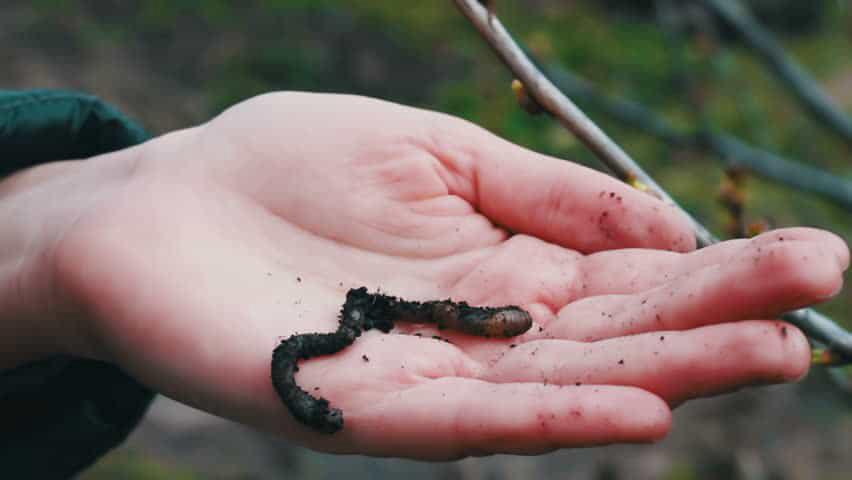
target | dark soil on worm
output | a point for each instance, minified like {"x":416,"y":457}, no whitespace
{"x":364,"y":311}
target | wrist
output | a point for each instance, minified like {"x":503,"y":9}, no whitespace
{"x":38,"y":206}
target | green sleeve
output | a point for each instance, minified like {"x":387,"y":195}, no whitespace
{"x":59,"y":415}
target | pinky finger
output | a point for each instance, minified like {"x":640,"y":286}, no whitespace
{"x":452,"y":418}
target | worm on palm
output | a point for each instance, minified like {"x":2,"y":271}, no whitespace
{"x":365,"y":311}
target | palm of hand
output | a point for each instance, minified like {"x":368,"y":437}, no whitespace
{"x":251,"y":228}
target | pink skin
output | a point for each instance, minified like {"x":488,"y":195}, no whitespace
{"x":211,"y":244}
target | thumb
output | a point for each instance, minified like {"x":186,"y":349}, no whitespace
{"x":555,"y":200}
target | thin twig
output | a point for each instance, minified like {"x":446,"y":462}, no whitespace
{"x":543,"y":91}
{"x":788,"y":71}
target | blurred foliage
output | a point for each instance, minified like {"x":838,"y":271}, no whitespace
{"x":424,"y":53}
{"x":681,"y":471}
{"x":129,"y":466}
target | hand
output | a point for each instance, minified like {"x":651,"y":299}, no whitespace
{"x":210,"y":244}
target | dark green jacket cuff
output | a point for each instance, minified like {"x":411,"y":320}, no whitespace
{"x":58,"y":415}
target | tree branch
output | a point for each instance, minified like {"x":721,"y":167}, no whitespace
{"x":548,"y":96}
{"x":769,"y":165}
{"x":803,"y":86}
{"x":793,"y":174}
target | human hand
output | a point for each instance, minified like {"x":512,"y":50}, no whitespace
{"x":210,"y":244}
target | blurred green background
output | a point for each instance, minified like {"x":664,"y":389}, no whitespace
{"x":173,"y":64}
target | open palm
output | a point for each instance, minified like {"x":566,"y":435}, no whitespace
{"x":224,"y":238}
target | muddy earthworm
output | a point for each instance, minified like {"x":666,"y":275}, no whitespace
{"x":364,"y":311}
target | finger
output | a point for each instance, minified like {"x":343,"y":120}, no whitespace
{"x":555,"y":276}
{"x":761,"y":282}
{"x":557,"y":201}
{"x":635,"y":270}
{"x":677,"y":366}
{"x":450,"y":418}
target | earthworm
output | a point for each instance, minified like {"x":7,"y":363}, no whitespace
{"x":364,"y":311}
